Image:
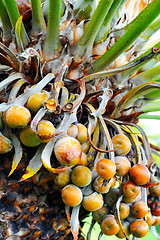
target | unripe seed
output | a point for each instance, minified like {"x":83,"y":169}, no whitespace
{"x":28,"y":137}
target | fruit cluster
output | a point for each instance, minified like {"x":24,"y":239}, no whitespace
{"x":106,"y":176}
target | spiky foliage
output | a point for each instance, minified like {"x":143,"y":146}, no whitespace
{"x":94,"y":64}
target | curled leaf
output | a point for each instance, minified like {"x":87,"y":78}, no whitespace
{"x":18,"y":152}
{"x":34,"y":164}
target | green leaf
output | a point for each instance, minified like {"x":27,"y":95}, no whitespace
{"x":52,"y":44}
{"x":14,"y":14}
{"x":38,"y":23}
{"x":85,"y":43}
{"x":137,"y":26}
{"x":18,"y":34}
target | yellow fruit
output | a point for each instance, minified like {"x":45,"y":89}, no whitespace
{"x":71,"y":195}
{"x":17,"y":117}
{"x":82,"y":133}
{"x":83,"y":160}
{"x":28,"y":137}
{"x":36,"y":100}
{"x":81,"y":176}
{"x":5,"y":144}
{"x":122,"y":144}
{"x":68,"y":151}
{"x":72,"y":131}
{"x":45,"y":131}
{"x":63,"y":178}
{"x":109,"y":225}
{"x":92,"y":202}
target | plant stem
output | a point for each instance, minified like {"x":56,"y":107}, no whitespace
{"x":88,"y":37}
{"x":6,"y":23}
{"x":38,"y":23}
{"x":14,"y":14}
{"x":52,"y":44}
{"x":137,"y":26}
{"x":105,"y":27}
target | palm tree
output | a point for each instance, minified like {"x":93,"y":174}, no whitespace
{"x":75,"y":78}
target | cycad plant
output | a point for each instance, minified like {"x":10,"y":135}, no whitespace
{"x":75,"y":77}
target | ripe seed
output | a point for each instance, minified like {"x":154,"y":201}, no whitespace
{"x":124,"y":210}
{"x":139,"y":209}
{"x":130,"y":190}
{"x":83,"y":160}
{"x":71,"y":195}
{"x":126,"y":229}
{"x":105,"y":168}
{"x":155,"y":190}
{"x":139,"y":228}
{"x":109,"y":226}
{"x":17,"y":117}
{"x":140,"y":174}
{"x":122,"y":165}
{"x":92,"y":202}
{"x":121,"y":143}
{"x":81,"y":176}
{"x":82,"y":133}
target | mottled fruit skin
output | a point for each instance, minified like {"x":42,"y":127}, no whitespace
{"x":140,"y":174}
{"x":71,"y":195}
{"x":122,"y":144}
{"x":45,"y":131}
{"x":5,"y":144}
{"x":17,"y":117}
{"x":139,"y":209}
{"x":28,"y":137}
{"x":109,"y":226}
{"x":92,"y":202}
{"x":105,"y":168}
{"x":81,"y":176}
{"x":68,"y":151}
{"x":139,"y":228}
